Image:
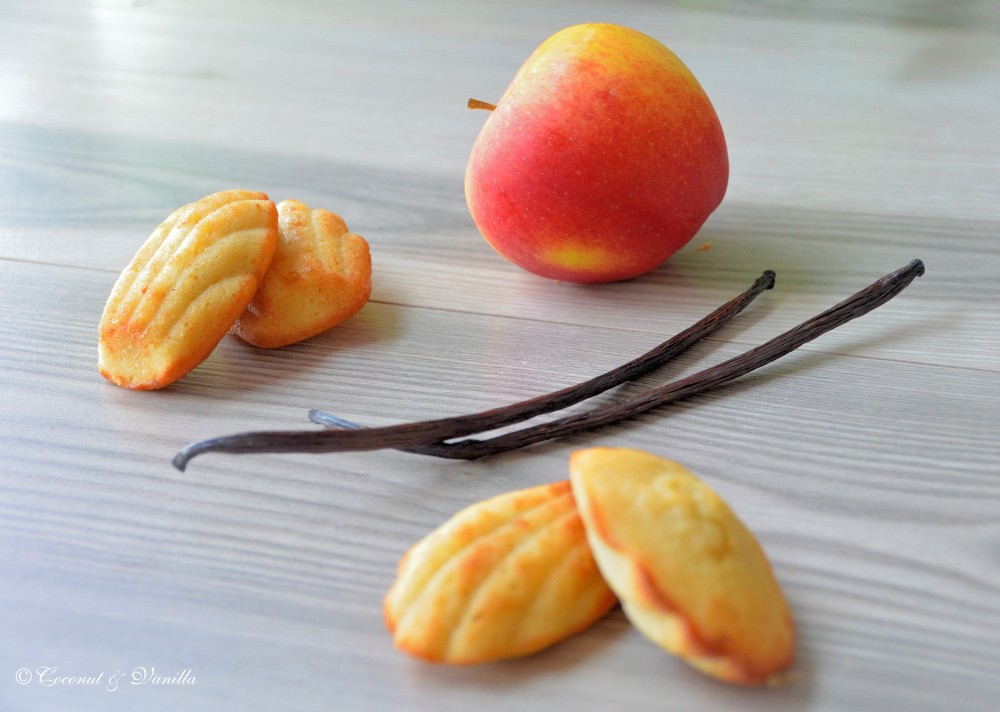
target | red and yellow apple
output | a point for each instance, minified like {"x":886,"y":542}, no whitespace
{"x":603,"y":157}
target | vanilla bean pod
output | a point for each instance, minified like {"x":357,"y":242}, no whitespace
{"x":558,"y":400}
{"x":861,"y":303}
{"x":415,"y":434}
{"x":407,"y":435}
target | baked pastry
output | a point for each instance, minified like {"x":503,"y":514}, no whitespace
{"x":185,"y":287}
{"x":505,"y":577}
{"x":320,"y":276}
{"x":689,"y":574}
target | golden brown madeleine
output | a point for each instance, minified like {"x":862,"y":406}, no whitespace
{"x":184,"y":289}
{"x":505,"y":577}
{"x":320,"y":276}
{"x":689,"y":574}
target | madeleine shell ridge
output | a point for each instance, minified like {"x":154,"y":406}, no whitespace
{"x":503,"y":578}
{"x":320,"y":276}
{"x":185,"y":287}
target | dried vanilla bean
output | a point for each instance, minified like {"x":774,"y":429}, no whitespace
{"x":861,"y":303}
{"x":434,"y":432}
{"x":557,"y":400}
{"x":412,"y":434}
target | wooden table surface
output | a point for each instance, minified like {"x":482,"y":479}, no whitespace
{"x":866,"y":463}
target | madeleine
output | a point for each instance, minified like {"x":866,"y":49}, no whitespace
{"x":690,"y":576}
{"x":185,"y":287}
{"x":320,"y":276}
{"x":503,"y":578}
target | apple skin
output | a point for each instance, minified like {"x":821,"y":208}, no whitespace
{"x":603,"y":157}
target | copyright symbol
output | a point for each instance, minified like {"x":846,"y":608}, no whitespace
{"x":23,"y":676}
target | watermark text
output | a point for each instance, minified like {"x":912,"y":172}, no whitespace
{"x":51,"y":676}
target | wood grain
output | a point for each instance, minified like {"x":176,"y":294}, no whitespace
{"x":867,"y":462}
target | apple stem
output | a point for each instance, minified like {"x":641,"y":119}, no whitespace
{"x":478,"y":104}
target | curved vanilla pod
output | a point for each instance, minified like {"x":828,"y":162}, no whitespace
{"x":436,"y":431}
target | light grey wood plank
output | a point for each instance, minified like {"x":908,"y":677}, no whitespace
{"x":854,"y":510}
{"x":439,"y":260}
